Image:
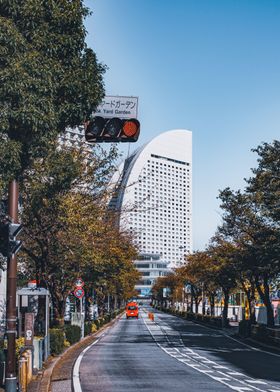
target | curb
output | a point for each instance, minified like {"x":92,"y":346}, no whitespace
{"x":46,"y":379}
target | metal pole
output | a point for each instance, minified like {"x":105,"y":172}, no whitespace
{"x":11,"y":378}
{"x":82,"y":319}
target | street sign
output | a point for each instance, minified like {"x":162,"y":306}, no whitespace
{"x":79,"y":293}
{"x":116,"y":106}
{"x":79,"y":282}
{"x":29,"y":329}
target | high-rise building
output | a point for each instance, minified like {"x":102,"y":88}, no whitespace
{"x":154,"y":196}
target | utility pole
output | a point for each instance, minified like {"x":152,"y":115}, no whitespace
{"x":11,"y":378}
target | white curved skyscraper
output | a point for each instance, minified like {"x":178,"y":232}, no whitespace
{"x":154,"y":195}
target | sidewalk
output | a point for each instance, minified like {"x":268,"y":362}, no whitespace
{"x":57,"y":376}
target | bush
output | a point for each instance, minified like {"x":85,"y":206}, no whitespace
{"x":107,"y":318}
{"x":88,"y":327}
{"x":73,"y":333}
{"x":19,"y":344}
{"x":101,"y":322}
{"x":56,"y":341}
{"x":97,"y":324}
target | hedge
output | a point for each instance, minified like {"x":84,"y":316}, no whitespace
{"x":56,"y":340}
{"x":73,"y":333}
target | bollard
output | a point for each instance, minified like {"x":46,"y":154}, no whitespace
{"x":23,"y":374}
{"x":28,"y":356}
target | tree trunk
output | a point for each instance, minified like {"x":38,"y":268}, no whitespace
{"x":196,"y":304}
{"x":212,"y":305}
{"x":250,"y":294}
{"x":59,"y":304}
{"x":225,"y":308}
{"x":192,"y":295}
{"x":264,"y":294}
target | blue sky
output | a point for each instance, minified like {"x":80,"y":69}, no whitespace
{"x":210,"y":66}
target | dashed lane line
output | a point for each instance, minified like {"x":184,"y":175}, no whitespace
{"x":210,"y":368}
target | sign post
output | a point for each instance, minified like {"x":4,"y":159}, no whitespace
{"x":79,"y":293}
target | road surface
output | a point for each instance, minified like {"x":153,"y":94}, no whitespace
{"x":174,"y":355}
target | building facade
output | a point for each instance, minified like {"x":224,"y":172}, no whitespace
{"x":153,"y":192}
{"x":151,"y":267}
{"x":73,"y":137}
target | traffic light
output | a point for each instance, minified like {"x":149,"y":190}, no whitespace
{"x":109,"y":130}
{"x":9,"y":245}
{"x":4,"y":239}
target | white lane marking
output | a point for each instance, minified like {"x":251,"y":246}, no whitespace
{"x":76,"y":370}
{"x":244,"y":344}
{"x":226,"y":377}
{"x":220,"y":367}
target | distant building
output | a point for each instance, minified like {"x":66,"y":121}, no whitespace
{"x":151,"y":267}
{"x":153,"y":192}
{"x":73,"y":137}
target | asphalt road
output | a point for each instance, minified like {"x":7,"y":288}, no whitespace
{"x":174,"y":355}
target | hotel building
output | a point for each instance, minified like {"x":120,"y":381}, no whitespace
{"x":153,"y":192}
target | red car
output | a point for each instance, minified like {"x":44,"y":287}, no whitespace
{"x":132,"y":310}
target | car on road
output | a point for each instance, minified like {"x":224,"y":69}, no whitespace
{"x":132,"y":310}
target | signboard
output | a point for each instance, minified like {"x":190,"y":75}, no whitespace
{"x":28,"y":329}
{"x":115,"y":106}
{"x":79,"y":293}
{"x":79,"y":282}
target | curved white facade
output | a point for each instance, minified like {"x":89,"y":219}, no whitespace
{"x":155,"y":196}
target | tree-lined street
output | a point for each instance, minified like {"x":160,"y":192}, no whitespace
{"x":172,"y":354}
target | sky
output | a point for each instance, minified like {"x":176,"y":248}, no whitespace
{"x":209,"y":66}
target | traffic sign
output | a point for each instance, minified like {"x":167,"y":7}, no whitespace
{"x":79,"y":293}
{"x":118,"y":106}
{"x":79,"y":282}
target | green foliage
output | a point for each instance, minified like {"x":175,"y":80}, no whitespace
{"x":97,"y":324}
{"x":56,"y":340}
{"x":50,"y":79}
{"x":72,"y":333}
{"x":19,"y":345}
{"x":88,"y":327}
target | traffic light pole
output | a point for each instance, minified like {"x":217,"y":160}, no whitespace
{"x":11,"y":377}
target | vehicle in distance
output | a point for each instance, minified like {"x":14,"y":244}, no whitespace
{"x":131,"y":310}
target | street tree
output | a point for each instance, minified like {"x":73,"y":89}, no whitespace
{"x":50,"y":78}
{"x":222,"y":269}
{"x":62,"y":218}
{"x":252,"y":227}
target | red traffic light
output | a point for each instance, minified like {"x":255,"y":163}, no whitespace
{"x":110,"y":130}
{"x":131,"y":127}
